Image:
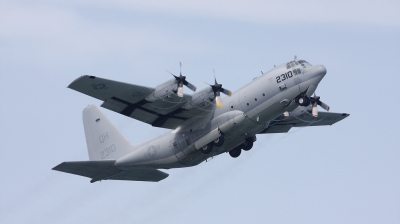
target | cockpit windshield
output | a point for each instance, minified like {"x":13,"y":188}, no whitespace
{"x":304,"y":62}
{"x":292,"y":64}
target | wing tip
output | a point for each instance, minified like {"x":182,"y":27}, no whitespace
{"x":57,"y":167}
{"x":79,"y":78}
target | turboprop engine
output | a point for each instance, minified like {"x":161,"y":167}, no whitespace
{"x":163,"y":90}
{"x":200,"y":98}
{"x":170,"y":87}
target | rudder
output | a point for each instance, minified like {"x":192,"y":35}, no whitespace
{"x":103,"y":139}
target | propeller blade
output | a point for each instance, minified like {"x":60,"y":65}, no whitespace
{"x":206,"y":83}
{"x":218,"y":101}
{"x":190,"y":85}
{"x":217,"y":89}
{"x":215,"y":79}
{"x":316,"y":100}
{"x":323,"y":105}
{"x":180,"y":91}
{"x":226,"y":92}
{"x":172,"y":74}
{"x":315,"y":111}
{"x":181,"y":80}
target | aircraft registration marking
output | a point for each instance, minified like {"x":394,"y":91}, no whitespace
{"x":104,"y":137}
{"x":283,"y":77}
{"x":106,"y":152}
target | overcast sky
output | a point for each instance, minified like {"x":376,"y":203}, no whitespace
{"x":345,"y":173}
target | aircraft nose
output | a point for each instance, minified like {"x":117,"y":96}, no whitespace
{"x":320,"y":70}
{"x":316,"y":71}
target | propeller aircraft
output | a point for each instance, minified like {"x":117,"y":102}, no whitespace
{"x":202,"y":125}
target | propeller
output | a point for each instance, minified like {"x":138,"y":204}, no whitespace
{"x":315,"y":101}
{"x":181,"y":80}
{"x":217,"y":89}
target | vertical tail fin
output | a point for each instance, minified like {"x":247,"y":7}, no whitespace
{"x":103,"y":139}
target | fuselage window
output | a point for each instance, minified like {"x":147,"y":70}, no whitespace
{"x":298,"y":71}
{"x":296,"y":63}
{"x":295,"y":71}
{"x":292,"y":64}
{"x":287,"y":65}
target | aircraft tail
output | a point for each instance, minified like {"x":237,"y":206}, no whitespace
{"x":104,"y":141}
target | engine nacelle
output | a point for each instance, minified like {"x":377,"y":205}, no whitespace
{"x":299,"y":111}
{"x":200,"y":99}
{"x":163,"y":90}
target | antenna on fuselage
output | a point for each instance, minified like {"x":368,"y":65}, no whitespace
{"x":295,"y":57}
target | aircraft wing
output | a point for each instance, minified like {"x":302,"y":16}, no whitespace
{"x":129,"y":100}
{"x":284,"y":124}
{"x":104,"y":170}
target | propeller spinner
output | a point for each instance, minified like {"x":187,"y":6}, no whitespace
{"x":181,"y":80}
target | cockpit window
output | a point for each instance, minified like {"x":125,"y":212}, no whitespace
{"x":294,"y":63}
{"x":304,"y":63}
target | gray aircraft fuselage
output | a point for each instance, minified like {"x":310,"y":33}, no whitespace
{"x":250,"y":110}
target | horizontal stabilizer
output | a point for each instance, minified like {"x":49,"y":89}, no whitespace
{"x":141,"y":174}
{"x":85,"y":168}
{"x":104,"y":170}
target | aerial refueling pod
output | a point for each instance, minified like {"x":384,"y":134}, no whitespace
{"x":223,"y":123}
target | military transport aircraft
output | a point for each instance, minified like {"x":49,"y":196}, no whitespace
{"x":203,"y":124}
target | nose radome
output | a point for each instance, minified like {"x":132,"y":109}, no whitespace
{"x":320,"y":70}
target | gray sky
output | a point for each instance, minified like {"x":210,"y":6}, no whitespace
{"x":345,"y":173}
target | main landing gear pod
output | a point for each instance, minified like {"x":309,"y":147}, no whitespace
{"x":217,"y":143}
{"x":207,"y":148}
{"x":222,"y":124}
